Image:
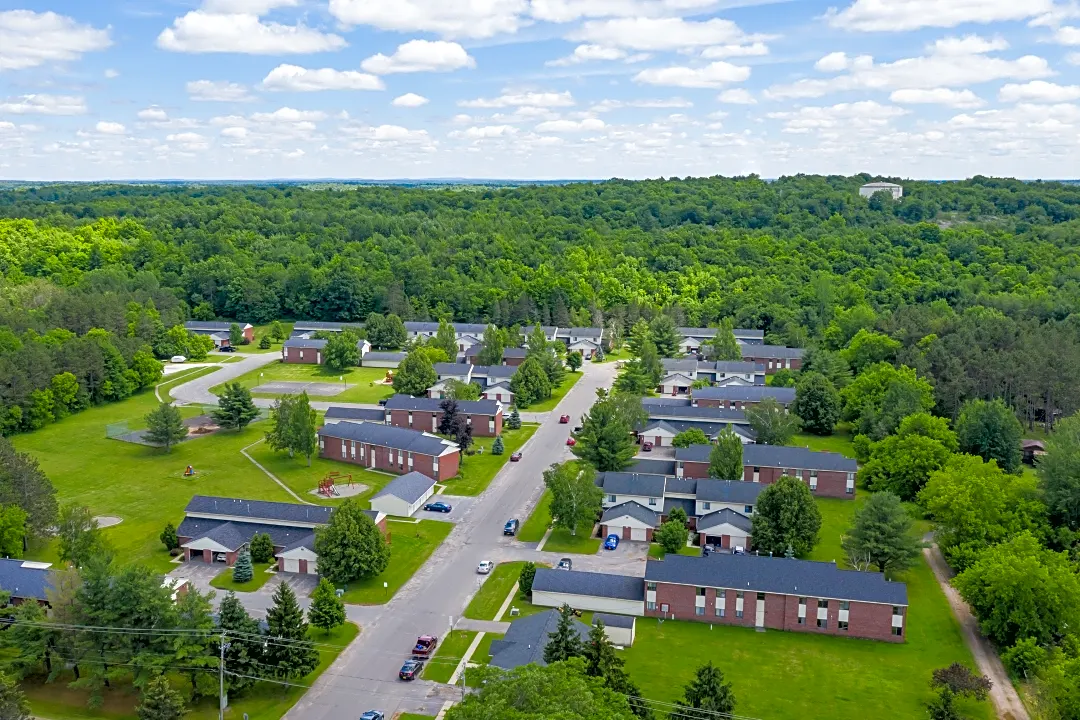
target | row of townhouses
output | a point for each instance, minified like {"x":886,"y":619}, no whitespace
{"x":219,"y":331}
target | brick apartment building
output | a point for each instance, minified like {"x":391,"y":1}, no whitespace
{"x":311,"y":351}
{"x":740,"y":397}
{"x":485,"y":417}
{"x":773,"y":357}
{"x":391,"y":449}
{"x":828,"y":474}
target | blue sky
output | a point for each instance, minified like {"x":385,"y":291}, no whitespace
{"x":252,"y":89}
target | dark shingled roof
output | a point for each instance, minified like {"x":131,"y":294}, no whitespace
{"x":443,"y":369}
{"x":745,"y":333}
{"x":797,"y":458}
{"x":233,"y":535}
{"x":729,"y":491}
{"x":694,"y":453}
{"x":24,"y":582}
{"x":634,"y":510}
{"x":387,"y":436}
{"x":525,"y":640}
{"x":315,"y":326}
{"x":785,"y":576}
{"x":256,"y":510}
{"x":686,"y":504}
{"x":383,"y":356}
{"x":681,"y":485}
{"x":298,"y":342}
{"x":682,"y":365}
{"x":492,"y":372}
{"x":513,"y":353}
{"x":581,"y":332}
{"x":609,"y":620}
{"x":349,"y":413}
{"x":409,"y":487}
{"x":575,"y":582}
{"x":212,"y":325}
{"x":668,"y":411}
{"x":727,"y":515}
{"x":624,"y":483}
{"x":648,"y":466}
{"x":745,"y":393}
{"x":770,"y":351}
{"x":733,"y":366}
{"x":711,"y":429}
{"x":650,"y":402}
{"x":466,"y":407}
{"x":307,"y":541}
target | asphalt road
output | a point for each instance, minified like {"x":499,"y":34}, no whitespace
{"x":365,"y":675}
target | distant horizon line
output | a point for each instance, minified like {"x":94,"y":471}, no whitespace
{"x":460,"y":180}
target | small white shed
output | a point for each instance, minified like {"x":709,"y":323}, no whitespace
{"x":618,"y":628}
{"x":404,"y":495}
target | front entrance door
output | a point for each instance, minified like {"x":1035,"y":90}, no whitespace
{"x":759,"y":619}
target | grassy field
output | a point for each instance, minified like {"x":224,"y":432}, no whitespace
{"x":224,"y":579}
{"x":265,"y":701}
{"x":364,"y":382}
{"x":261,"y":330}
{"x":143,"y":486}
{"x":838,"y":442}
{"x":537,"y":523}
{"x":657,"y":552}
{"x":533,"y":529}
{"x":477,"y":471}
{"x":410,"y":545}
{"x":450,"y":651}
{"x":556,"y":394}
{"x":487,"y":601}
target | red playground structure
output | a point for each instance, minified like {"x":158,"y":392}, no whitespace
{"x":328,"y":485}
{"x":189,"y":471}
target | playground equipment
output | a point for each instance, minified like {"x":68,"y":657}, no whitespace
{"x":389,"y":377}
{"x":328,"y":485}
{"x":189,"y":471}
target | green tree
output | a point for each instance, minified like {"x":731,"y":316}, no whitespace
{"x":784,"y":378}
{"x":244,"y":647}
{"x":261,"y":548}
{"x":12,"y":531}
{"x":235,"y":408}
{"x":705,"y":697}
{"x":602,"y":661}
{"x":639,"y":333}
{"x":415,"y":374}
{"x":665,"y":336}
{"x":526,"y":577}
{"x":514,"y":421}
{"x":564,"y":643}
{"x":351,"y":547}
{"x":294,"y":426}
{"x":30,"y":640}
{"x":679,"y":516}
{"x":492,"y":346}
{"x":327,"y":610}
{"x":773,"y":424}
{"x":243,"y":571}
{"x":498,"y":447}
{"x":446,"y":339}
{"x":65,"y":393}
{"x":1019,"y":589}
{"x":817,"y":404}
{"x":990,"y":430}
{"x":193,"y":648}
{"x":1024,"y":658}
{"x":147,"y":369}
{"x":80,"y":538}
{"x":605,"y":440}
{"x":962,"y":681}
{"x":23,"y":483}
{"x":723,"y":346}
{"x":574,"y":360}
{"x":530,"y":383}
{"x":169,"y":538}
{"x":165,"y":426}
{"x":288,"y":653}
{"x":881,"y":535}
{"x":649,"y":363}
{"x":786,"y":515}
{"x":1059,"y":473}
{"x":868,"y":348}
{"x":236,"y":335}
{"x":902,"y":464}
{"x":341,"y":351}
{"x":671,"y":536}
{"x":882,"y":395}
{"x":264,"y":342}
{"x":927,"y":425}
{"x":726,"y":457}
{"x":458,"y":390}
{"x":943,"y":706}
{"x":692,"y":436}
{"x":277,"y":331}
{"x":575,"y":497}
{"x":199,"y":346}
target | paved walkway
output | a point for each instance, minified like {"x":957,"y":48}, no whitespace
{"x":1002,"y":694}
{"x":482,"y":626}
{"x":197,"y":391}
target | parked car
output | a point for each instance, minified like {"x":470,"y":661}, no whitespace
{"x":611,"y":542}
{"x":707,"y":550}
{"x":565,"y":564}
{"x":571,"y":441}
{"x":485,"y":567}
{"x":646,"y":447}
{"x":178,"y":359}
{"x":511,"y":527}
{"x":738,"y":550}
{"x":373,"y":715}
{"x":425,"y":646}
{"x":439,"y":507}
{"x":514,"y":457}
{"x":382,"y":403}
{"x":577,"y":429}
{"x":227,"y":348}
{"x":564,"y":419}
{"x":411,"y":669}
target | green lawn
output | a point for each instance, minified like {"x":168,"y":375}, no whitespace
{"x":301,"y":479}
{"x":838,"y":442}
{"x":533,"y":529}
{"x":143,"y":486}
{"x":224,"y":579}
{"x":482,"y":656}
{"x":620,"y":354}
{"x":657,"y":552}
{"x":487,"y":601}
{"x":477,"y":471}
{"x":261,"y":330}
{"x":556,"y":394}
{"x":410,"y":545}
{"x":450,"y":651}
{"x":412,"y":716}
{"x":265,"y":701}
{"x":537,"y":523}
{"x":364,"y":382}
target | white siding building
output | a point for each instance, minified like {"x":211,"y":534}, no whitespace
{"x":867,"y":190}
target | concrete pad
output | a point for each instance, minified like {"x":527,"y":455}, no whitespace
{"x":344,"y":491}
{"x":105,"y":521}
{"x":287,"y":387}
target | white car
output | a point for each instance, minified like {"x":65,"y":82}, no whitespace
{"x":485,"y":567}
{"x":178,"y":359}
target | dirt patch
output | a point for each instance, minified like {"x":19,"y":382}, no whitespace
{"x":343,"y":491}
{"x":105,"y":521}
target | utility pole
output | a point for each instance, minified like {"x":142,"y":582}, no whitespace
{"x":221,"y":679}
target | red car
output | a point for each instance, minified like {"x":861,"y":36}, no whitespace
{"x":564,"y":419}
{"x":646,"y":447}
{"x":515,"y":457}
{"x":571,"y":442}
{"x":425,"y":646}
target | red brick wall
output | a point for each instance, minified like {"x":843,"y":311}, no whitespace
{"x":249,"y":334}
{"x":792,"y":363}
{"x":312,"y":356}
{"x":421,"y":421}
{"x":830,"y":483}
{"x":624,"y":533}
{"x":448,"y":464}
{"x":513,"y":362}
{"x":695,"y":469}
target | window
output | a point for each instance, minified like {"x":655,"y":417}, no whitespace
{"x":650,"y":586}
{"x":738,"y":613}
{"x":701,"y":592}
{"x":845,"y":605}
{"x":822,"y":604}
{"x":699,"y":610}
{"x":410,"y":419}
{"x":611,"y":498}
{"x":802,"y":619}
{"x":897,"y":610}
{"x":842,"y":625}
{"x":823,"y":623}
{"x":739,"y":595}
{"x":719,"y":612}
{"x":652,"y":501}
{"x":898,"y":631}
{"x":748,"y":509}
{"x":301,"y":354}
{"x":704,"y":505}
{"x":650,"y":606}
{"x":760,"y":596}
{"x":850,"y":486}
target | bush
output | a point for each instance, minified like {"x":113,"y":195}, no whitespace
{"x":497,"y":447}
{"x":262,"y":548}
{"x":264,"y":342}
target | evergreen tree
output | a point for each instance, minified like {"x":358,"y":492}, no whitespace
{"x":708,"y":693}
{"x":530,"y":383}
{"x":169,"y":537}
{"x":243,"y":571}
{"x":725,"y":459}
{"x":602,"y":661}
{"x":277,"y":331}
{"x":261,"y":548}
{"x":160,"y":701}
{"x":288,"y":652}
{"x":514,"y":421}
{"x":723,"y":346}
{"x":491,"y":347}
{"x":606,"y":441}
{"x":664,"y":336}
{"x":12,"y":531}
{"x":244,"y":649}
{"x":497,"y":447}
{"x":574,"y":360}
{"x":193,"y":649}
{"x":23,"y":483}
{"x":327,"y":610}
{"x":526,"y":577}
{"x":564,"y":643}
{"x":264,"y":342}
{"x":351,"y":547}
{"x":165,"y":426}
{"x":446,"y":339}
{"x":13,"y":704}
{"x":235,"y":408}
{"x":31,"y":640}
{"x":648,"y":362}
{"x":881,"y":535}
{"x":448,"y":421}
{"x":990,"y":430}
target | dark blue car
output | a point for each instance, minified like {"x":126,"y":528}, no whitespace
{"x":439,"y":507}
{"x":612,"y":542}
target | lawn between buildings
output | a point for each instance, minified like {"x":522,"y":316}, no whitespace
{"x":224,"y":579}
{"x":411,"y":544}
{"x":557,"y":394}
{"x":260,"y":330}
{"x":477,"y":471}
{"x":364,"y":382}
{"x":533,"y":529}
{"x":492,"y":594}
{"x":451,"y":649}
{"x":264,"y":701}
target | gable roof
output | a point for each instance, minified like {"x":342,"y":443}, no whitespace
{"x":495,"y":371}
{"x":384,"y":355}
{"x":725,"y":516}
{"x":451,"y":368}
{"x":526,"y":638}
{"x":409,"y":487}
{"x":728,"y":491}
{"x":697,"y":332}
{"x":25,"y":579}
{"x":213,"y":325}
{"x":509,"y":353}
{"x":610,"y":620}
{"x":733,"y":366}
{"x":693,"y":453}
{"x":798,"y":458}
{"x":770,"y":351}
{"x":785,"y":576}
{"x":232,"y":535}
{"x":389,"y":436}
{"x":670,"y":411}
{"x":745,"y":393}
{"x":711,"y":429}
{"x":316,"y":326}
{"x":586,"y":332}
{"x":426,"y":404}
{"x":681,"y":485}
{"x":659,"y":425}
{"x":576,"y":582}
{"x":255,"y":510}
{"x":632,"y":509}
{"x":299,"y":342}
{"x":680,"y":365}
{"x":501,"y":385}
{"x":650,"y":466}
{"x":625,"y":483}
{"x":350,"y":413}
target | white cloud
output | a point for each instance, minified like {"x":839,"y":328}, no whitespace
{"x":188,"y":141}
{"x":388,"y":134}
{"x":485,"y":132}
{"x":1039,"y":91}
{"x":294,"y":78}
{"x":409,"y":100}
{"x":204,"y":32}
{"x":1067,"y":35}
{"x":851,"y":116}
{"x":717,"y":52}
{"x":609,"y":105}
{"x":218,"y":91}
{"x":153,"y":114}
{"x":833,"y":62}
{"x":967,"y":45}
{"x":111,"y":74}
{"x":533,"y":99}
{"x":936,"y":96}
{"x":736,"y":96}
{"x":560,"y":126}
{"x":588,"y":53}
{"x":252,"y":7}
{"x":110,"y":128}
{"x":711,"y":76}
{"x":892,"y":16}
{"x":563,"y":11}
{"x":41,"y":104}
{"x":420,"y":56}
{"x":29,"y":39}
{"x":1073,"y":58}
{"x":661,"y":33}
{"x":237,"y":133}
{"x":289,"y":115}
{"x":456,"y":18}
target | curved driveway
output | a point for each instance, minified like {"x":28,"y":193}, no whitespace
{"x":197,"y":391}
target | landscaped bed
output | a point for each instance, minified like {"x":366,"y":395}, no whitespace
{"x":359,"y":384}
{"x":224,"y":579}
{"x":410,"y":546}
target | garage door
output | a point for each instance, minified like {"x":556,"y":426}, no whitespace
{"x":292,"y":565}
{"x":637,"y":534}
{"x":313,"y":567}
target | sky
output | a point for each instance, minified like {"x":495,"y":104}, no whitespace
{"x":537,"y":89}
